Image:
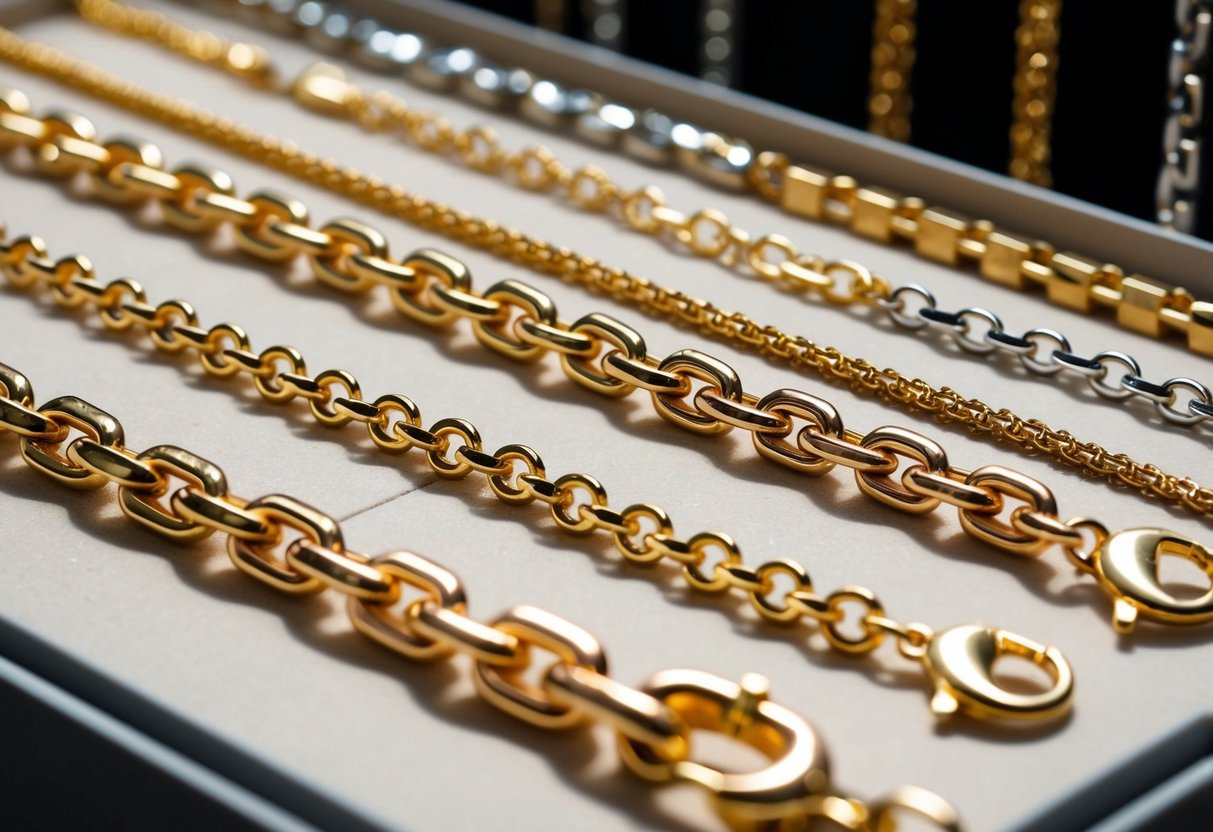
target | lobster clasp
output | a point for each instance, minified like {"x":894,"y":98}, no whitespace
{"x":323,"y":88}
{"x":1126,"y":566}
{"x":960,"y":662}
{"x":795,"y":782}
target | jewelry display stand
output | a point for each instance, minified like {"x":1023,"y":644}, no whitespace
{"x":362,"y":739}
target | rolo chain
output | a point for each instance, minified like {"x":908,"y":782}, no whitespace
{"x":643,"y":533}
{"x":419,"y":609}
{"x":694,"y":390}
{"x":707,"y":233}
{"x":1070,"y":280}
{"x":1031,"y":436}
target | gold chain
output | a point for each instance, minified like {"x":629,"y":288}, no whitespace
{"x":889,"y":99}
{"x":300,"y":550}
{"x":1034,"y":89}
{"x":1030,"y":436}
{"x":1070,"y":280}
{"x":596,"y":351}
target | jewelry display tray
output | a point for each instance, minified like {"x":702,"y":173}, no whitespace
{"x":269,"y":705}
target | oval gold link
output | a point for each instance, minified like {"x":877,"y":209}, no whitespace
{"x":643,"y":373}
{"x":430,"y":266}
{"x":770,"y":610}
{"x":706,"y":368}
{"x":357,"y":410}
{"x":671,"y":547}
{"x":399,"y":631}
{"x":566,"y":487}
{"x":638,"y":209}
{"x":720,"y":578}
{"x":223,"y":513}
{"x":116,"y":464}
{"x":478,"y":148}
{"x":257,"y":559}
{"x":383,"y":432}
{"x":581,"y":368}
{"x":213,"y":356}
{"x":884,"y":811}
{"x":843,"y":451}
{"x":384,"y":272}
{"x":631,"y":712}
{"x":555,"y":337}
{"x":643,"y":553}
{"x":861,"y":284}
{"x":145,"y":507}
{"x":503,"y":687}
{"x":140,"y":183}
{"x":322,"y":409}
{"x":268,"y":382}
{"x":871,"y":637}
{"x":743,"y":577}
{"x":418,"y":437}
{"x":811,"y":605}
{"x":758,"y":255}
{"x":590,"y":189}
{"x":61,"y":123}
{"x":222,"y":208}
{"x":513,"y":491}
{"x":533,"y":168}
{"x":707,"y":232}
{"x":163,"y":329}
{"x":462,"y":304}
{"x":69,"y":411}
{"x":455,"y":631}
{"x":66,"y":275}
{"x":297,"y":237}
{"x":541,"y":489}
{"x":346,"y":572}
{"x":743,"y":414}
{"x":793,"y":403}
{"x":349,"y":238}
{"x":252,"y":237}
{"x":901,"y":442}
{"x":482,"y":462}
{"x":17,"y":254}
{"x":1045,"y":527}
{"x":990,"y":529}
{"x":942,"y":487}
{"x":181,"y":211}
{"x":452,"y":468}
{"x":497,"y":334}
{"x":27,"y":422}
{"x":114,"y":311}
{"x":606,"y":519}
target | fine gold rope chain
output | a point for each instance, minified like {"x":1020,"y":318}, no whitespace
{"x":596,"y":351}
{"x":643,"y":533}
{"x":1030,"y":436}
{"x":419,"y":609}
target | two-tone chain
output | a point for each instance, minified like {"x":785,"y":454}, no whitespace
{"x":19,"y":129}
{"x":418,"y":609}
{"x":696,"y":391}
{"x":1183,"y":131}
{"x":1070,"y":280}
{"x":852,"y":619}
{"x":1034,"y":90}
{"x":706,"y":233}
{"x":889,"y":98}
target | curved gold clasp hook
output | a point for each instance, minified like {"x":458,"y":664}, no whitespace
{"x":960,"y":662}
{"x":1126,"y":566}
{"x":798,"y":776}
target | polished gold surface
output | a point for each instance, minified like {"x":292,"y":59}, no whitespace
{"x":653,"y":721}
{"x":251,"y":216}
{"x":1034,"y":88}
{"x":889,"y":99}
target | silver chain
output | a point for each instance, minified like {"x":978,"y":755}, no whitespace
{"x":1179,"y":177}
{"x":718,"y":41}
{"x":1046,"y":352}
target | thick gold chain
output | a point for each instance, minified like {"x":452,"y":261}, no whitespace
{"x":300,"y":550}
{"x":889,"y":99}
{"x":1034,"y":89}
{"x":1030,"y":436}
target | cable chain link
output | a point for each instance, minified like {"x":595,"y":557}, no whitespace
{"x":1183,"y":132}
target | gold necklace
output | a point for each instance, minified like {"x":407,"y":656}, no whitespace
{"x":298,"y":549}
{"x":1030,"y":436}
{"x":611,"y":358}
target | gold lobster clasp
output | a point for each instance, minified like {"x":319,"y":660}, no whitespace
{"x":1126,"y":566}
{"x":794,"y":783}
{"x":960,"y":662}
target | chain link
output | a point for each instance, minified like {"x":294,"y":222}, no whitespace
{"x":889,"y":99}
{"x":1183,"y":130}
{"x":1034,"y":89}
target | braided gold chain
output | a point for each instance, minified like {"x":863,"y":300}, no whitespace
{"x":1030,"y":436}
{"x":295,"y":548}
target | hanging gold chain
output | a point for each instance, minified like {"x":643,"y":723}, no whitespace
{"x":1030,"y":436}
{"x":1034,"y":89}
{"x":297,"y":549}
{"x":889,"y":99}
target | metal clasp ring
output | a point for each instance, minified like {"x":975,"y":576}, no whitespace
{"x":795,"y":782}
{"x":1126,"y":566}
{"x":960,"y":662}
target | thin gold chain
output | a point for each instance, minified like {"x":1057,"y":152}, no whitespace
{"x":1029,"y":436}
{"x":889,"y":99}
{"x":1034,"y":89}
{"x":299,"y":550}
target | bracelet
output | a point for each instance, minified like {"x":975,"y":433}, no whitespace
{"x":1183,"y":131}
{"x":643,"y":533}
{"x":611,"y":358}
{"x":1030,"y":436}
{"x":296,"y":548}
{"x":707,"y":233}
{"x":1073,"y":281}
